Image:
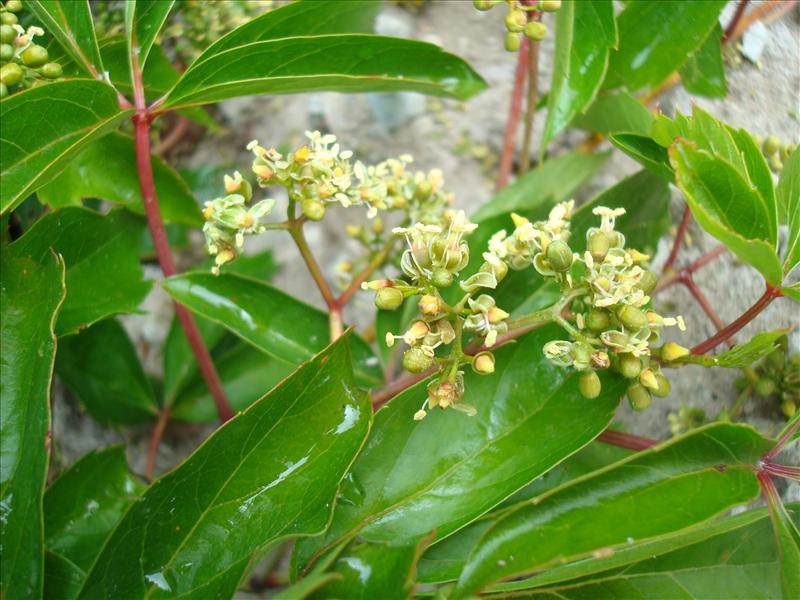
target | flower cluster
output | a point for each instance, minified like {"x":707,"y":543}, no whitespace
{"x":23,"y":63}
{"x":517,"y":19}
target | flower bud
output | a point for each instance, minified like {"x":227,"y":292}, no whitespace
{"x":648,"y":379}
{"x":771,"y":145}
{"x":550,"y":5}
{"x":53,"y":71}
{"x":672,"y":351}
{"x":629,"y":365}
{"x":388,"y":298}
{"x":776,"y":360}
{"x":237,"y":185}
{"x":442,"y":278}
{"x":7,"y":34}
{"x":775,"y":163}
{"x":312,"y":208}
{"x":10,"y":73}
{"x":789,"y":407}
{"x":631,"y":317}
{"x":8,"y":18}
{"x":6,"y":52}
{"x":483,"y":4}
{"x":34,"y":56}
{"x":589,"y":384}
{"x":416,"y":360}
{"x":598,"y":320}
{"x":483,"y":363}
{"x":512,"y":42}
{"x":559,"y":255}
{"x":535,"y":30}
{"x":648,"y":281}
{"x":638,"y":397}
{"x":3,"y":90}
{"x":598,"y":245}
{"x":430,"y":305}
{"x":14,"y":5}
{"x":377,"y":225}
{"x":263,"y":171}
{"x":663,"y":389}
{"x":765,"y":387}
{"x":516,"y":20}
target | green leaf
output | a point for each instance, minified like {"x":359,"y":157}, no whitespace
{"x":62,"y":578}
{"x":269,"y":473}
{"x":788,"y":538}
{"x":86,"y":502}
{"x":734,"y":558}
{"x":143,"y":20}
{"x":792,"y":291}
{"x":266,"y":317}
{"x":751,"y":351}
{"x":585,"y":33}
{"x":706,"y":472}
{"x":104,"y":276}
{"x":448,"y":469}
{"x":106,"y":169}
{"x":728,"y":208}
{"x":31,"y":292}
{"x":656,"y":38}
{"x":70,"y":22}
{"x":788,"y":196}
{"x":100,"y":366}
{"x":704,"y":72}
{"x":45,"y":127}
{"x":554,"y":180}
{"x":646,"y":152}
{"x":617,"y":112}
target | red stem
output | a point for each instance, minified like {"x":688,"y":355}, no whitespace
{"x":676,"y":276}
{"x":676,"y":245}
{"x":784,"y":439}
{"x":786,"y":471}
{"x":155,"y":440}
{"x":626,"y":440}
{"x":728,"y":33}
{"x":507,"y":158}
{"x":688,"y":281}
{"x":751,"y":313}
{"x":141,"y":120}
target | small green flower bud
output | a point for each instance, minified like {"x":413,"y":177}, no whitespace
{"x":3,"y":90}
{"x":442,"y":278}
{"x":14,"y":5}
{"x":776,"y":360}
{"x":377,"y":225}
{"x":648,"y":282}
{"x":631,"y":317}
{"x":483,"y":4}
{"x":416,"y":360}
{"x":10,"y":74}
{"x":664,"y":387}
{"x":430,"y":305}
{"x":550,"y":5}
{"x":648,"y":379}
{"x":515,"y":20}
{"x":512,"y":42}
{"x":7,"y":34}
{"x":629,"y":365}
{"x":424,"y":189}
{"x":638,"y":397}
{"x":672,"y":351}
{"x":765,"y":387}
{"x":589,"y":384}
{"x":35,"y":56}
{"x":388,"y":298}
{"x":483,"y":363}
{"x":789,"y":407}
{"x":775,"y":163}
{"x":559,"y":255}
{"x":598,"y":245}
{"x":535,"y":30}
{"x":6,"y":52}
{"x":8,"y":18}
{"x":598,"y":320}
{"x":53,"y":71}
{"x":312,"y":208}
{"x":771,"y":145}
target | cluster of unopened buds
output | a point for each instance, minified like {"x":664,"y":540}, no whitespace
{"x":23,"y":63}
{"x":775,"y":150}
{"x":517,"y":22}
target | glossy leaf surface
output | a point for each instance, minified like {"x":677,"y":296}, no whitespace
{"x":751,"y":351}
{"x":45,"y":127}
{"x":585,"y":33}
{"x":646,"y":152}
{"x":62,"y":578}
{"x":143,"y":20}
{"x":704,"y":73}
{"x":728,"y":208}
{"x":617,"y":112}
{"x":705,"y":472}
{"x":280,"y":325}
{"x":104,"y":276}
{"x":106,"y":170}
{"x":788,"y":196}
{"x":86,"y":502}
{"x":31,"y":292}
{"x":100,"y":366}
{"x":655,"y":39}
{"x":269,"y":473}
{"x":70,"y":22}
{"x":444,"y":471}
{"x":555,"y":180}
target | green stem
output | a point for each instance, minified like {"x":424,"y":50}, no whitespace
{"x":737,"y":406}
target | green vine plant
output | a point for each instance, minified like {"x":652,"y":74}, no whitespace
{"x":329,"y":473}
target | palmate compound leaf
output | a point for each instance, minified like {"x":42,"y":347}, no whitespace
{"x":441,"y":473}
{"x":673,"y":486}
{"x":270,"y":473}
{"x":31,"y":293}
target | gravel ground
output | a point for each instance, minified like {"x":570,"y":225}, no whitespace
{"x":463,"y":140}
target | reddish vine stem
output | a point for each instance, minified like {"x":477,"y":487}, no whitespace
{"x":675,"y":276}
{"x":514,"y":110}
{"x":142,"y":120}
{"x":626,"y":440}
{"x":781,"y":443}
{"x":737,"y":17}
{"x":530,"y":101}
{"x":155,"y":440}
{"x":679,"y":237}
{"x":704,"y":303}
{"x":173,"y":137}
{"x":751,"y":313}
